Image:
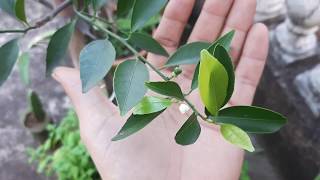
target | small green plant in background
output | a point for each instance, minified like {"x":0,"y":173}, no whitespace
{"x":63,"y":155}
{"x":245,"y":171}
{"x":214,"y":75}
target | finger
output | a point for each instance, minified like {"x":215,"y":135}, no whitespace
{"x":171,"y":27}
{"x":211,"y":20}
{"x":92,"y":107}
{"x":251,"y":65}
{"x":240,"y":19}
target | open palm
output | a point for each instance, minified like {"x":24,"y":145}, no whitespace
{"x":152,"y":153}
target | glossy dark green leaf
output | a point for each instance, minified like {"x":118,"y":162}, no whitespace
{"x":146,"y":42}
{"x":9,"y":53}
{"x":194,"y":83}
{"x":8,"y":6}
{"x":143,"y":10}
{"x":14,"y":8}
{"x":213,"y":82}
{"x":187,"y":54}
{"x":134,"y":124}
{"x":96,"y":60}
{"x":36,"y":105}
{"x":166,"y":88}
{"x":222,"y":55}
{"x":20,"y":10}
{"x":58,"y":46}
{"x":236,"y":136}
{"x":128,"y":83}
{"x":23,"y":64}
{"x":224,"y":41}
{"x":124,"y":6}
{"x":252,"y":119}
{"x":151,"y":104}
{"x":189,"y":132}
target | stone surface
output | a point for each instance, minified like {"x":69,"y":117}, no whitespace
{"x":296,"y":36}
{"x":270,"y":10}
{"x":14,"y":139}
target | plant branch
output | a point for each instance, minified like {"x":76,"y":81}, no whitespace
{"x":124,"y":42}
{"x":194,"y":109}
{"x":43,"y":21}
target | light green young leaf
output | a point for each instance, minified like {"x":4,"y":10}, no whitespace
{"x":96,"y":60}
{"x":143,"y":10}
{"x":189,"y":132}
{"x":23,"y":64}
{"x":236,"y":136}
{"x":58,"y":46}
{"x":225,"y":42}
{"x":124,"y":6}
{"x":128,"y":83}
{"x":222,"y":55}
{"x":9,"y":53}
{"x":134,"y":124}
{"x":151,"y":104}
{"x":252,"y":119}
{"x":146,"y":42}
{"x":166,"y":88}
{"x":213,"y":82}
{"x":187,"y":54}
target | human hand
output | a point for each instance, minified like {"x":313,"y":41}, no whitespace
{"x":152,"y":153}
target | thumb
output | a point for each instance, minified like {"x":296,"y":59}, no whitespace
{"x":93,"y":107}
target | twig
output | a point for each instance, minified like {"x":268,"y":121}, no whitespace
{"x":46,"y":4}
{"x":43,"y":21}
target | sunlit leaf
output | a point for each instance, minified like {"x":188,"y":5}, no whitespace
{"x":58,"y":46}
{"x":9,"y":53}
{"x":23,"y":62}
{"x":134,"y":124}
{"x":146,"y":42}
{"x":213,"y":82}
{"x":236,"y":136}
{"x":187,"y":54}
{"x":143,"y":10}
{"x":96,"y":60}
{"x":166,"y":88}
{"x":129,"y":79}
{"x":151,"y":104}
{"x":189,"y":132}
{"x":252,"y":119}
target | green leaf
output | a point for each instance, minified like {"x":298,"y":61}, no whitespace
{"x":128,"y":83}
{"x":236,"y":136}
{"x":124,"y":6}
{"x":143,"y":10}
{"x":189,"y":132}
{"x":36,"y":105}
{"x":224,"y":41}
{"x":20,"y":10}
{"x":9,"y":53}
{"x":151,"y":105}
{"x":222,"y":55}
{"x":96,"y":60}
{"x":14,"y":8}
{"x":23,"y":64}
{"x":134,"y":124}
{"x":146,"y":42}
{"x":194,"y":83}
{"x":166,"y":88}
{"x":58,"y":46}
{"x":252,"y":119}
{"x":213,"y":82}
{"x":187,"y":54}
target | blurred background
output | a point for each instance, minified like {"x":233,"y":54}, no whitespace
{"x":51,"y":148}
